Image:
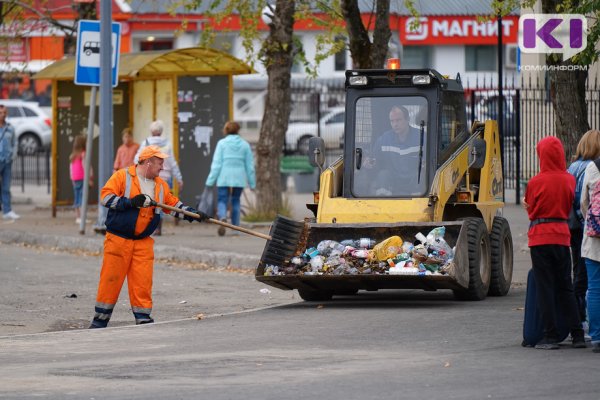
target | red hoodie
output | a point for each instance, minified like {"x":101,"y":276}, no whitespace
{"x":550,"y":194}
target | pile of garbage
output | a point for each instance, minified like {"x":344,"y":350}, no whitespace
{"x":393,"y":256}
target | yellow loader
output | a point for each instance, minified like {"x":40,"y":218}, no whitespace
{"x":410,"y":164}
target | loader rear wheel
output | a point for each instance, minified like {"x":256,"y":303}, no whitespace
{"x":478,"y":242}
{"x":315,"y":295}
{"x":501,"y":245}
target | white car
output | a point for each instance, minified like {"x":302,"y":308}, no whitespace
{"x":332,"y":132}
{"x":32,"y":126}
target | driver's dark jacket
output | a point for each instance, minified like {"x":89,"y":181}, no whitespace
{"x":390,"y":150}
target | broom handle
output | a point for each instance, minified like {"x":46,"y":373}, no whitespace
{"x":214,"y":221}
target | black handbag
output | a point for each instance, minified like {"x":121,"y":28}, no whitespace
{"x":208,"y":201}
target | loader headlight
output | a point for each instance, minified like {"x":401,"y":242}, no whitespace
{"x":360,"y":80}
{"x":421,"y":80}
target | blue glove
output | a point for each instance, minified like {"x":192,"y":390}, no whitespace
{"x":202,"y":216}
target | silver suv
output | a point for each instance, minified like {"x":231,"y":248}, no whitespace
{"x":32,"y":125}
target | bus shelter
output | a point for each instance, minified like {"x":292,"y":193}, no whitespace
{"x":190,"y":90}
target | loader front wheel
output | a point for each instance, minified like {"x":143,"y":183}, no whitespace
{"x":315,"y":295}
{"x":478,"y":242}
{"x":501,"y":245}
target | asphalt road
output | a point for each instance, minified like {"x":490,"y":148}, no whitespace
{"x":46,"y":290}
{"x":384,"y":345}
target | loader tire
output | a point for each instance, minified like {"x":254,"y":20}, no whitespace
{"x":501,"y":252}
{"x":315,"y":295}
{"x":478,"y":242}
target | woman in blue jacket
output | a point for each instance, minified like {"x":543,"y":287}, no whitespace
{"x":232,"y":169}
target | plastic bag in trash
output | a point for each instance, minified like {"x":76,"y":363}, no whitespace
{"x":389,"y":248}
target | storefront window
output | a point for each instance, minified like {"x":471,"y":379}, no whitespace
{"x":480,"y":58}
{"x":416,"y":57}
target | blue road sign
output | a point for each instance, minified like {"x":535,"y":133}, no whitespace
{"x":87,"y":68}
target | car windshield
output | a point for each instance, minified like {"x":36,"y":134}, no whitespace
{"x":390,"y":147}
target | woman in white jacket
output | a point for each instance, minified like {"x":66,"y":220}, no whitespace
{"x":590,"y":250}
{"x":170,"y":168}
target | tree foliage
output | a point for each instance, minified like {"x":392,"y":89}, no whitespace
{"x":21,"y":17}
{"x":276,"y":52}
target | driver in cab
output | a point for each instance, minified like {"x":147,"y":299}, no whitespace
{"x":395,"y":157}
{"x":401,"y":140}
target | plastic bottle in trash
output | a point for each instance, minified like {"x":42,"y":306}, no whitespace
{"x":316,"y":263}
{"x":362,"y":243}
{"x":421,"y":238}
{"x":325,"y":247}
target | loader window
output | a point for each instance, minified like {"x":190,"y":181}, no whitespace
{"x":454,"y":128}
{"x":390,"y":146}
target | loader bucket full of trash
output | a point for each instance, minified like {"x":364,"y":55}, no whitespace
{"x":425,"y":255}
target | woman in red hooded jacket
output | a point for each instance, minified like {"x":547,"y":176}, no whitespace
{"x":548,"y":200}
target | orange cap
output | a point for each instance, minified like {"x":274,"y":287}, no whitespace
{"x":151,"y":151}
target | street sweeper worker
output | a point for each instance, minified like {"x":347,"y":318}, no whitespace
{"x":128,"y":247}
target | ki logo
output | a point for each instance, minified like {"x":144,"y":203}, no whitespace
{"x":553,"y":33}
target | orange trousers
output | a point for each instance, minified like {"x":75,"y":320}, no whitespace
{"x":129,"y":258}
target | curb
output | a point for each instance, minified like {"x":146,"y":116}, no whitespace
{"x":183,"y":254}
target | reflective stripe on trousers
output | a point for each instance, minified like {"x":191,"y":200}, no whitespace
{"x":133,"y":259}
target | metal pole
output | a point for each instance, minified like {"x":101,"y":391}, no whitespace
{"x":500,"y":99}
{"x":88,"y":160}
{"x":106,"y":123}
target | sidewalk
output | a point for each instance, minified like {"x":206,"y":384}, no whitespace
{"x":185,"y":242}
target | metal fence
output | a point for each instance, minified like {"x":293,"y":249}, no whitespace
{"x":32,"y":169}
{"x":527,"y":116}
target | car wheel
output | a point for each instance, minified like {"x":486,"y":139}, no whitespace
{"x":29,"y":143}
{"x":303,"y":144}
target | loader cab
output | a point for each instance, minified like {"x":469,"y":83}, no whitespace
{"x":401,"y":125}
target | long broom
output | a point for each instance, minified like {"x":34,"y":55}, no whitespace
{"x":283,"y":241}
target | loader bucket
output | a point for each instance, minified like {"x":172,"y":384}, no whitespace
{"x":456,"y":276}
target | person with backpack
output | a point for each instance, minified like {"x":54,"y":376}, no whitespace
{"x":590,"y":247}
{"x":587,"y":150}
{"x":548,"y":200}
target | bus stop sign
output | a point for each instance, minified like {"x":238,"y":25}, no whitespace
{"x":87,"y":68}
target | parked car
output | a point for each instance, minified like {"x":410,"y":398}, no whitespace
{"x":32,"y":125}
{"x":332,"y":131}
{"x":487,"y":108}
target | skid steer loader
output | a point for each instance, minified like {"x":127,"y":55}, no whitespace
{"x":443,"y":175}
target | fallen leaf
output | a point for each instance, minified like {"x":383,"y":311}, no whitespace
{"x":320,"y":306}
{"x":446,"y":364}
{"x":200,"y":316}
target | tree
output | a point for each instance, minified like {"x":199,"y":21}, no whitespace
{"x":19,"y":14}
{"x":567,"y":85}
{"x":367,"y":54}
{"x":277,"y":53}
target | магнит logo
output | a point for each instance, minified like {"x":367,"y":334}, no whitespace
{"x":553,"y":33}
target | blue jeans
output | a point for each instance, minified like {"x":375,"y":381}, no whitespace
{"x":224,"y":195}
{"x":77,"y":193}
{"x":5,"y":178}
{"x":593,"y":298}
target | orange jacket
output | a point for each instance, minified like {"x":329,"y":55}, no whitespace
{"x":125,"y":220}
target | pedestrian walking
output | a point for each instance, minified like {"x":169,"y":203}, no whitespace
{"x":171,"y":168}
{"x":590,"y":247}
{"x":232,"y":169}
{"x":8,"y":152}
{"x":588,"y":149}
{"x":77,"y":173}
{"x":548,"y":199}
{"x":128,"y":247}
{"x":126,"y":152}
